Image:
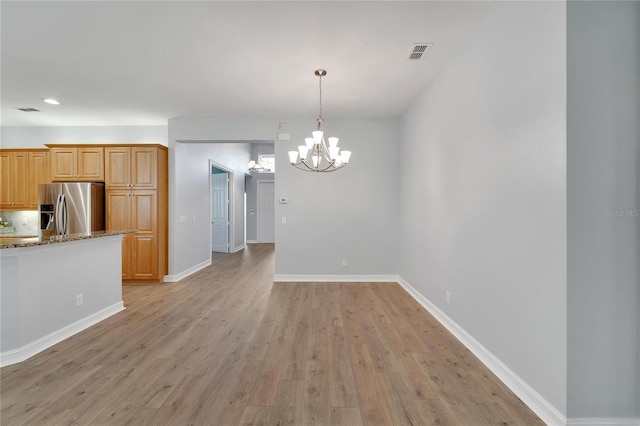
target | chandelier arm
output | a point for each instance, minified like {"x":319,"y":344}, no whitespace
{"x":331,"y":167}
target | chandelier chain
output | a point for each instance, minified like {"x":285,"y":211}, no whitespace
{"x":320,"y":84}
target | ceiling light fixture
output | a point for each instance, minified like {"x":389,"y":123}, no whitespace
{"x":51,"y":101}
{"x":259,"y":167}
{"x":315,"y":156}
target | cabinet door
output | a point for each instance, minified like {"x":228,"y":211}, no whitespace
{"x":14,"y":180}
{"x":127,"y":249}
{"x":145,"y":257}
{"x":144,"y":168}
{"x":38,"y":173}
{"x":90,"y":163}
{"x":117,"y":173}
{"x":145,"y":242}
{"x":63,"y":163}
{"x":118,"y":212}
{"x":20,"y":177}
{"x":5,"y":180}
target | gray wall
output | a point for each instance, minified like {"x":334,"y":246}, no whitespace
{"x":603,"y":319}
{"x":350,"y":214}
{"x":483,"y":191}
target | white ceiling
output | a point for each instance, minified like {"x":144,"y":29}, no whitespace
{"x":141,"y":63}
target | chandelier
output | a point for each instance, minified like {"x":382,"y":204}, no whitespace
{"x":259,"y":167}
{"x":315,"y":155}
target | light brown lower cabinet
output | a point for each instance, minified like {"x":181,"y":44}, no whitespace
{"x":137,"y":209}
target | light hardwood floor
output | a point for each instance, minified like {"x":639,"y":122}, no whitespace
{"x":228,"y":346}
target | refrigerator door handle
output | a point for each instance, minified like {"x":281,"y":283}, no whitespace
{"x":65,"y":215}
{"x":58,"y":215}
{"x":61,"y":215}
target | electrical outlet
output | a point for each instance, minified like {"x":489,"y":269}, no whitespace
{"x":448,"y":296}
{"x":79,"y":300}
{"x":345,"y":263}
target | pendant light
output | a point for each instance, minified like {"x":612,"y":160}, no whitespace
{"x":315,"y":155}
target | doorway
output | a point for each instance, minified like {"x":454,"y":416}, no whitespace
{"x":266,"y":211}
{"x":220,"y":194}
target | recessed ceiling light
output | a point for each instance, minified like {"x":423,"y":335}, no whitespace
{"x":51,"y":101}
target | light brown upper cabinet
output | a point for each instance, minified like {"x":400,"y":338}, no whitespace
{"x":21,"y":170}
{"x":73,"y":163}
{"x":38,"y":173}
{"x":131,"y":167}
{"x":14,"y":179}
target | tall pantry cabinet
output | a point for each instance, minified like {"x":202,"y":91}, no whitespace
{"x":136,"y":182}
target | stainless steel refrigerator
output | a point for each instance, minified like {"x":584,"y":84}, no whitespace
{"x":71,"y":208}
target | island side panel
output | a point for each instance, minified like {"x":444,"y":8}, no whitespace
{"x":48,"y":281}
{"x":9,"y":303}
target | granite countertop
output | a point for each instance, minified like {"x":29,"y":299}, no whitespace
{"x":30,"y":241}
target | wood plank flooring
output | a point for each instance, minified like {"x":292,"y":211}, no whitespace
{"x":226,"y":346}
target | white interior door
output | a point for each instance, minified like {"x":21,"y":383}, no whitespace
{"x":266,"y":212}
{"x":220,"y":212}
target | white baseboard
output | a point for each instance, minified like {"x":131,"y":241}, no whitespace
{"x":602,"y":422}
{"x":252,"y":241}
{"x":184,"y":274}
{"x":547,"y":412}
{"x":237,"y":249}
{"x":27,"y":351}
{"x":335,"y":278}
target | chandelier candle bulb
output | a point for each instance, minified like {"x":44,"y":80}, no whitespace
{"x":333,"y":152}
{"x":310,"y":142}
{"x":317,"y":136}
{"x":303,"y":150}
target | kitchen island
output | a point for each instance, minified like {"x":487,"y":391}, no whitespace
{"x":52,"y":289}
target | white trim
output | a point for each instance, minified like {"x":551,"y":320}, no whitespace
{"x":547,"y":412}
{"x":30,"y":349}
{"x":184,"y":274}
{"x":252,"y":241}
{"x":603,"y":422}
{"x":336,"y":278}
{"x":237,"y":249}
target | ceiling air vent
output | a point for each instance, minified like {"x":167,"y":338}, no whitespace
{"x":418,"y":50}
{"x":28,"y":109}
